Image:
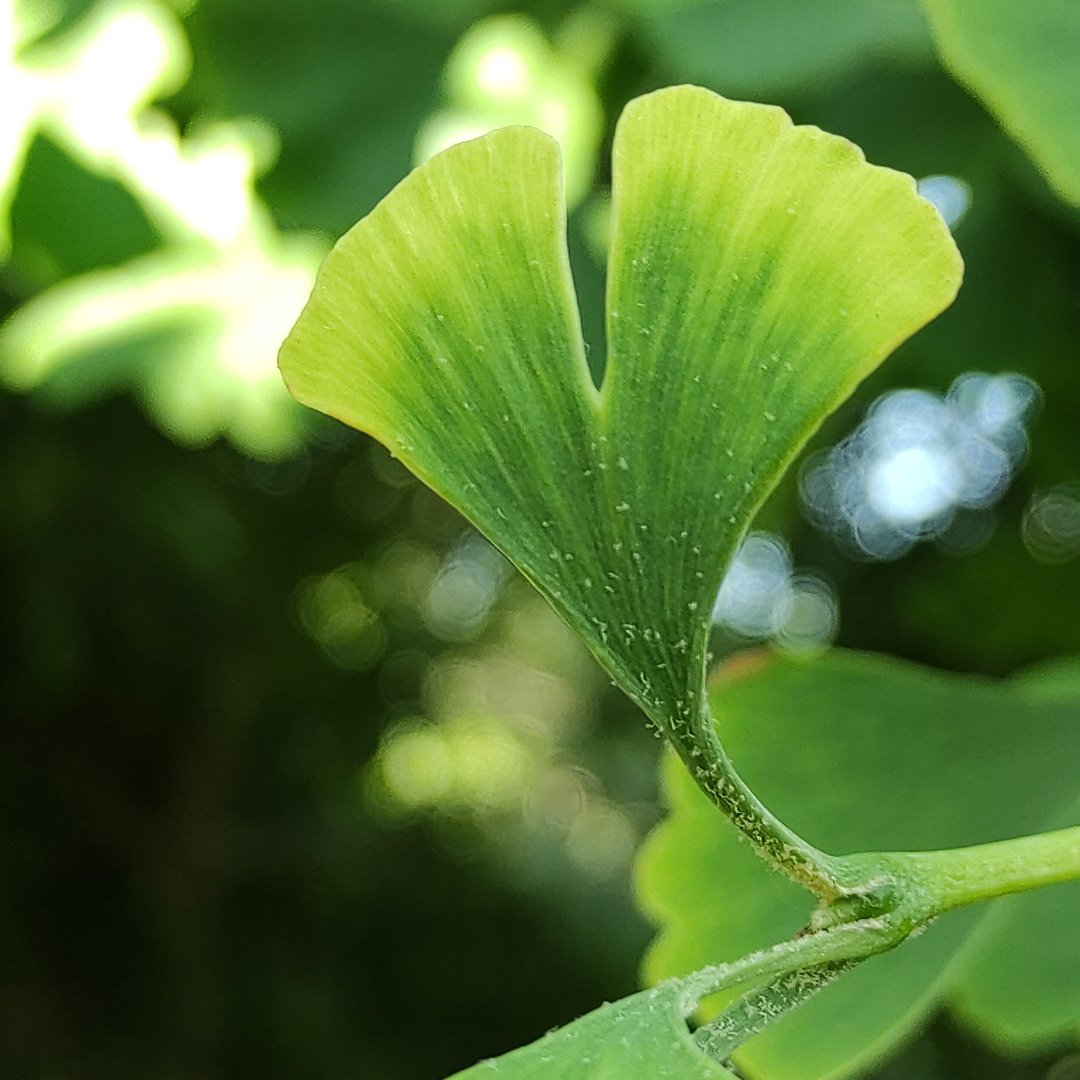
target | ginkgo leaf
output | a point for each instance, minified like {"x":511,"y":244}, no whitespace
{"x":644,"y":1035}
{"x":865,"y":752}
{"x":758,"y":271}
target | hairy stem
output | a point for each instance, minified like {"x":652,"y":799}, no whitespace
{"x":840,"y":944}
{"x":701,"y":751}
{"x":909,"y":890}
{"x":756,"y":1009}
{"x":851,"y":888}
{"x":869,"y":901}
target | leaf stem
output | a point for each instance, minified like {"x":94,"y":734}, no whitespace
{"x":756,"y":1009}
{"x":703,"y":754}
{"x":959,"y":876}
{"x":839,"y":944}
{"x":909,"y":890}
{"x":937,"y":881}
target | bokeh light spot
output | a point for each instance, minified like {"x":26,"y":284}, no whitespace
{"x":1051,"y":526}
{"x":502,"y":72}
{"x":916,"y":460}
{"x":949,"y":194}
{"x":335,"y":612}
{"x":602,"y":840}
{"x":467,"y":764}
{"x":465,"y":588}
{"x":762,"y":598}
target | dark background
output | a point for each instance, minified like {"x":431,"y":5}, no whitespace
{"x":297,"y":780}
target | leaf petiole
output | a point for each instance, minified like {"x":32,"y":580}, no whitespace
{"x":956,"y":877}
{"x":756,"y":1009}
{"x":828,"y":877}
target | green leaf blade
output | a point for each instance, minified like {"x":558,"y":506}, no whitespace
{"x":644,"y":1035}
{"x":758,"y":272}
{"x":445,"y":325}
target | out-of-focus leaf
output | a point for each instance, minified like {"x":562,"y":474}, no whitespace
{"x":758,"y":271}
{"x":641,"y":1036}
{"x":765,"y":48}
{"x":859,"y":752}
{"x":346,"y":123}
{"x":63,"y":78}
{"x":455,"y":15}
{"x":169,"y":277}
{"x":1023,"y":62}
{"x":504,"y":72}
{"x":190,"y":331}
{"x":66,"y":220}
{"x":1019,"y":984}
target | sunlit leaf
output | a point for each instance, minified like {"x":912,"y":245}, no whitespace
{"x":758,"y":271}
{"x":175,"y":282}
{"x":860,"y":752}
{"x":192,"y":332}
{"x":1023,"y":62}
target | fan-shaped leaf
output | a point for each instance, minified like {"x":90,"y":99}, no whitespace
{"x":758,"y":271}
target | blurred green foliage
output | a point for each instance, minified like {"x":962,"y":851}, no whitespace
{"x":246,"y":681}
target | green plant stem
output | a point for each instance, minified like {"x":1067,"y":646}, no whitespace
{"x":901,"y":892}
{"x":756,"y":1009}
{"x":960,"y":876}
{"x":844,"y":943}
{"x":869,"y":902}
{"x":700,"y":748}
{"x":925,"y":884}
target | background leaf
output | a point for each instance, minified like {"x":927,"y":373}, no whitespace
{"x":768,"y":48}
{"x":347,"y":124}
{"x":1018,"y":984}
{"x":1021,"y":60}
